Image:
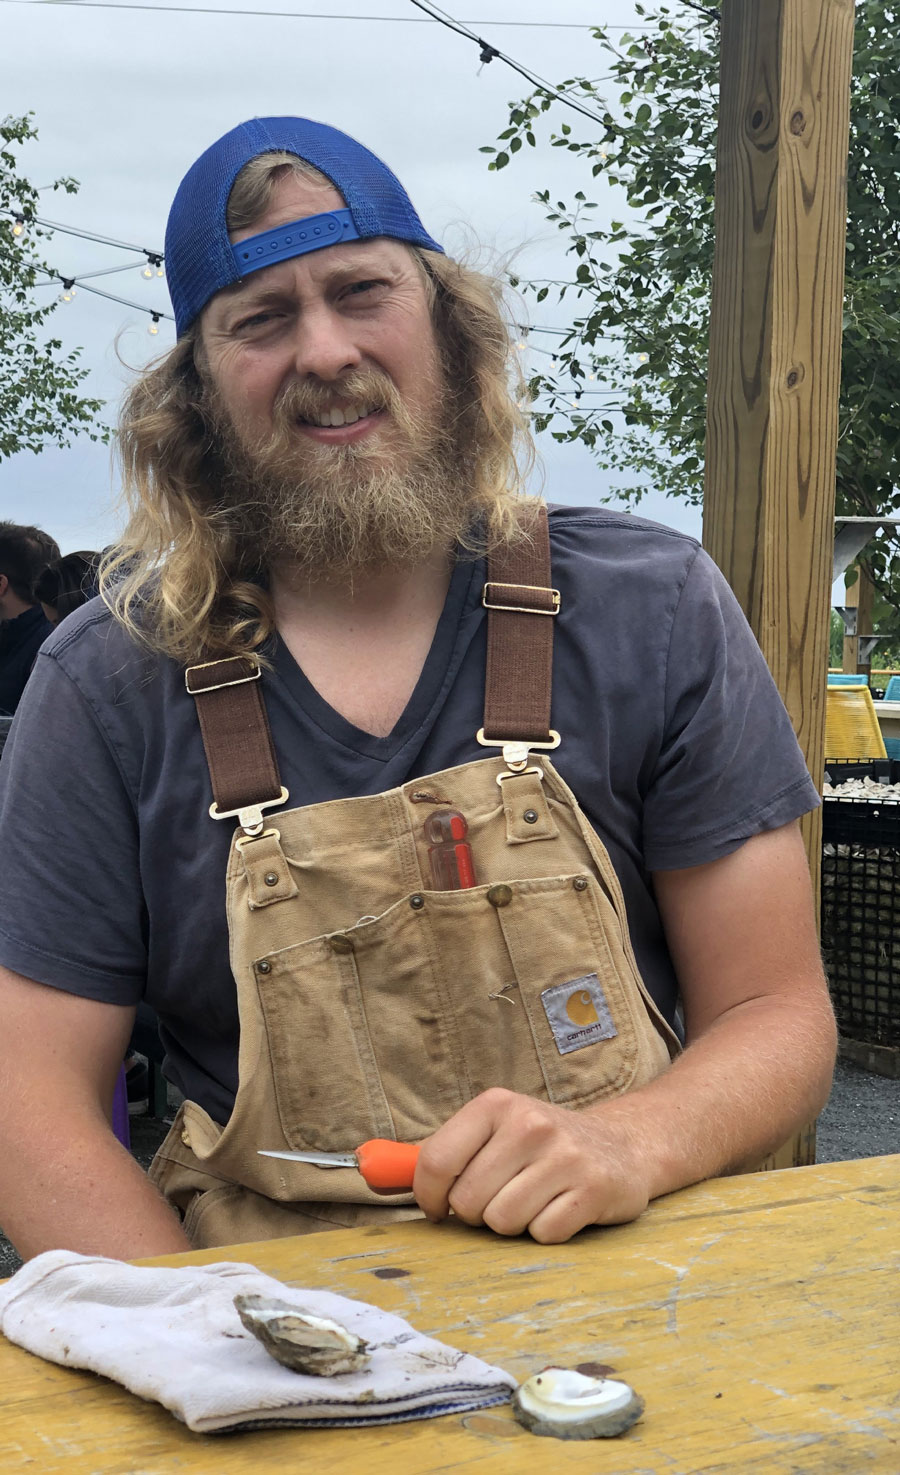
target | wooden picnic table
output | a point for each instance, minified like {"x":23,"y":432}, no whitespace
{"x":758,"y":1316}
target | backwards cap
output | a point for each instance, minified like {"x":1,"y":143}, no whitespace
{"x":200,"y":259}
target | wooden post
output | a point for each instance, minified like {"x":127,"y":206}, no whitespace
{"x":775,"y":336}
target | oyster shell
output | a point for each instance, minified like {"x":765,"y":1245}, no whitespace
{"x":301,"y":1341}
{"x":564,"y":1404}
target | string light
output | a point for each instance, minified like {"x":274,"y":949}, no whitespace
{"x":18,"y":225}
{"x":68,"y":291}
{"x":153,"y":263}
{"x":487,"y":53}
{"x":154,"y":324}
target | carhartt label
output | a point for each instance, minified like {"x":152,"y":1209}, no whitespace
{"x":578,"y":1013}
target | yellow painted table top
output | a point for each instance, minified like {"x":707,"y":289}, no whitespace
{"x":759,"y":1317}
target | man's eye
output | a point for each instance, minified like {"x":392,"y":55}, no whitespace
{"x":255,"y":320}
{"x":356,"y":288}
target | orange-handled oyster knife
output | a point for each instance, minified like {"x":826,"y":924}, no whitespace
{"x":385,"y":1165}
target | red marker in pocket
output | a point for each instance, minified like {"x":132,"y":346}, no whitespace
{"x":449,"y":851}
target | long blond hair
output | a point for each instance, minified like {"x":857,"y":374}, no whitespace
{"x":180,"y":579}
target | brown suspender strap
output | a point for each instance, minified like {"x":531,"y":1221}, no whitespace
{"x":521,"y":606}
{"x":240,"y":753}
{"x":243,"y":768}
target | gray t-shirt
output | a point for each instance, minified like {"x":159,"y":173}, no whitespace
{"x":674,"y":740}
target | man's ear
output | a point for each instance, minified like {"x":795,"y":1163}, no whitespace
{"x":4,"y":585}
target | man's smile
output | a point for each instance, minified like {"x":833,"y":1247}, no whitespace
{"x":339,"y":426}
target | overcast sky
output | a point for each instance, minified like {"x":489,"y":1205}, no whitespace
{"x":126,"y":98}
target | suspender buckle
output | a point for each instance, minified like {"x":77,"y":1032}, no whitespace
{"x":515,"y":751}
{"x":237,"y":663}
{"x":551,"y":596}
{"x":250,"y":817}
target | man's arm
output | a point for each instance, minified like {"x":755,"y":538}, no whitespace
{"x":758,"y":1063}
{"x":65,"y":1181}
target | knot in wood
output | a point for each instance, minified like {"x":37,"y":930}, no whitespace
{"x":798,"y":122}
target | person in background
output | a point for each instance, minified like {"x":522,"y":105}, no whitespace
{"x":23,"y":551}
{"x":66,"y":584}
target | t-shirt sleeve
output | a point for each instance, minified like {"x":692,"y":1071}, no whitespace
{"x":729,"y":765}
{"x":71,"y":903}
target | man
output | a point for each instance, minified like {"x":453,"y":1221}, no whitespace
{"x":423,"y":937}
{"x":23,"y":553}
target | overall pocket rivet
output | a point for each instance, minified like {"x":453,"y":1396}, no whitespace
{"x":499,"y":896}
{"x":580,"y":883}
{"x":271,"y":878}
{"x":340,"y":944}
{"x":264,"y":967}
{"x":530,"y":816}
{"x":417,"y":902}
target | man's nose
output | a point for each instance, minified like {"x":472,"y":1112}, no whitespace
{"x":324,"y":346}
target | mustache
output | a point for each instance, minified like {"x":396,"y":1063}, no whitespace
{"x":359,"y":388}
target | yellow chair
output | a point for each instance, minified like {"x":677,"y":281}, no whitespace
{"x":851,"y":724}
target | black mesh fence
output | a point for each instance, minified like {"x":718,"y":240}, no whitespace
{"x":861,"y":905}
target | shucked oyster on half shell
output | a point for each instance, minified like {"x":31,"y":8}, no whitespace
{"x":301,"y":1341}
{"x":568,"y":1405}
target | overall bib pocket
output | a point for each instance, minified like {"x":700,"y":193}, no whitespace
{"x":522,"y":984}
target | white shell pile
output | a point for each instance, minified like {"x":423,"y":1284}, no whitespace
{"x":566,"y":1404}
{"x":863,"y":788}
{"x":300,"y":1341}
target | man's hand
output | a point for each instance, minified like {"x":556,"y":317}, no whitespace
{"x":517,"y":1164}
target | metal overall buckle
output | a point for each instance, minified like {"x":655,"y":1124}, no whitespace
{"x":515,"y":752}
{"x":250,"y":816}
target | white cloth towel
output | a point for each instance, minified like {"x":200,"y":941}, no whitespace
{"x":174,"y":1336}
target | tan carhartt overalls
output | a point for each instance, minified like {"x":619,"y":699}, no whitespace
{"x":371,"y":1004}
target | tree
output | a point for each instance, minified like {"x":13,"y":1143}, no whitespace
{"x":39,"y":399}
{"x":636,"y":347}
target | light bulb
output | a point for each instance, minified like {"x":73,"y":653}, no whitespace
{"x":643,"y":357}
{"x":68,"y":292}
{"x":147,"y":272}
{"x":160,"y":272}
{"x":154,"y":326}
{"x":18,"y":226}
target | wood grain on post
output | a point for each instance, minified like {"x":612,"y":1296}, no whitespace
{"x":775,"y":345}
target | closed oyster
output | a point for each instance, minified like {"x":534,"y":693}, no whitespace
{"x":567,"y":1405}
{"x":301,"y":1341}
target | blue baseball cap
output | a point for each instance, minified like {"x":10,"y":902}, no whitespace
{"x":200,"y":259}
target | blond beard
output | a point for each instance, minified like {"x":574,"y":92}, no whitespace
{"x":327,"y":510}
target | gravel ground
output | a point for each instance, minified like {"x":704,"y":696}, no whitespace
{"x":862,"y":1119}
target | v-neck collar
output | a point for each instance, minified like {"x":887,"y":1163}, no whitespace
{"x":450,"y":641}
